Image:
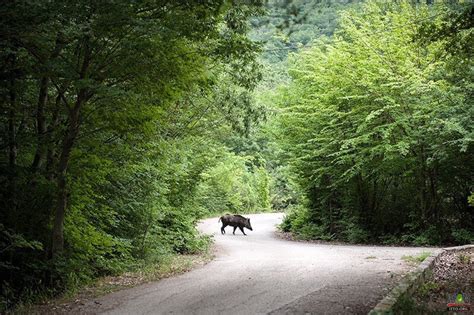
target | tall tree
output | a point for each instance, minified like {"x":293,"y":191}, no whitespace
{"x":375,"y":126}
{"x":96,"y":97}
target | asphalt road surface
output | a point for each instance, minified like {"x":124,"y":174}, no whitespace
{"x":262,"y":274}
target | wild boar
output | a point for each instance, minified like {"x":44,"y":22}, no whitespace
{"x":237,"y":221}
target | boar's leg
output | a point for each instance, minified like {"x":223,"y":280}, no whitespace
{"x":222,"y":228}
{"x":234,"y":229}
{"x":242,"y":229}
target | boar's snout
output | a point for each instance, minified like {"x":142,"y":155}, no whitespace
{"x":248,"y":226}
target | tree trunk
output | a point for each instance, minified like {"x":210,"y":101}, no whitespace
{"x":40,"y":125}
{"x":434,"y":199}
{"x":12,"y":141}
{"x":12,"y":146}
{"x":62,"y":194}
{"x":40,"y":117}
{"x":51,"y":152}
{"x":422,"y":186}
{"x":57,"y":245}
{"x":363,"y":197}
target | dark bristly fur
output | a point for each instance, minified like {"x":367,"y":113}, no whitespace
{"x":237,"y":221}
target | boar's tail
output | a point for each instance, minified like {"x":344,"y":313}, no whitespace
{"x":219,"y":220}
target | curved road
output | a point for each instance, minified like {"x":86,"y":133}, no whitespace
{"x":261,"y":274}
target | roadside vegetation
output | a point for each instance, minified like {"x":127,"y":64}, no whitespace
{"x":143,"y":272}
{"x":375,"y":126}
{"x":124,"y":123}
{"x":416,"y":260}
{"x":449,"y":282}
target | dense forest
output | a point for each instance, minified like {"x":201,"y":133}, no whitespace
{"x":375,"y":126}
{"x":121,"y":123}
{"x":124,"y":123}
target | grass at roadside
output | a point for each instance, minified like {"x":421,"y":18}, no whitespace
{"x":415,"y":260}
{"x":167,"y":267}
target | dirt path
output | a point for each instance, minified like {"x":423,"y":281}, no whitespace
{"x":261,"y":274}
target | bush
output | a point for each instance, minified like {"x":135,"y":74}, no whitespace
{"x":355,"y":234}
{"x":463,"y":236}
{"x":290,"y":217}
{"x":298,"y":222}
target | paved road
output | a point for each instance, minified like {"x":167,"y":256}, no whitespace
{"x":261,"y":274}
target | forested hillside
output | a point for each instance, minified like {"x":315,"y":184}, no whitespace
{"x":287,"y":27}
{"x":124,"y":123}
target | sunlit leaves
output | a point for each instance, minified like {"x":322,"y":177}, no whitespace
{"x":373,"y":114}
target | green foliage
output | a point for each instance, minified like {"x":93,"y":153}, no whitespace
{"x":291,"y":24}
{"x":409,"y":305}
{"x":464,"y":259}
{"x":470,"y":199}
{"x":298,"y":220}
{"x":115,"y":118}
{"x":417,"y":259}
{"x":288,"y":26}
{"x":230,"y":187}
{"x":463,"y":236}
{"x":23,"y":269}
{"x":355,"y":234}
{"x":375,"y":126}
{"x":428,"y":287}
{"x":124,"y":123}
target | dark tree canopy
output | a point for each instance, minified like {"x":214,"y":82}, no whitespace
{"x":112,"y":114}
